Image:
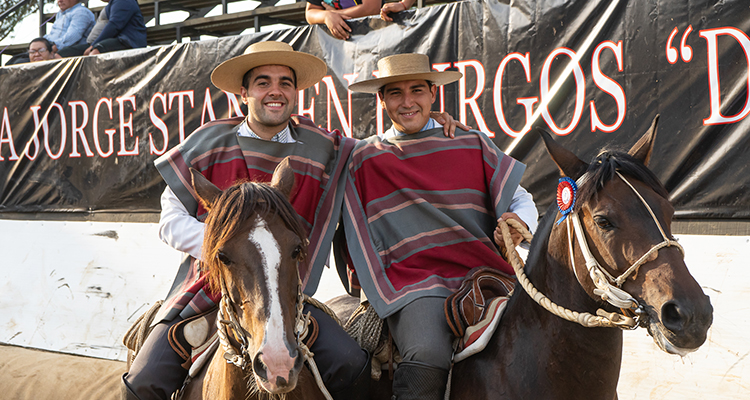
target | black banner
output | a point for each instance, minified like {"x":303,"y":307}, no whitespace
{"x":80,"y":135}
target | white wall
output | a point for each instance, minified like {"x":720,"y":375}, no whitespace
{"x":75,"y":287}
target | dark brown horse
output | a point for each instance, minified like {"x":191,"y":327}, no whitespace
{"x":253,"y":242}
{"x":537,"y":355}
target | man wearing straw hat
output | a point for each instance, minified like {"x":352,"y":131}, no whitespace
{"x":420,"y":211}
{"x":267,"y":77}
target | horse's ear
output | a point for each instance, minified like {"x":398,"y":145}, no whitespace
{"x":283,"y":178}
{"x":567,"y":162}
{"x":207,"y":191}
{"x":641,"y":150}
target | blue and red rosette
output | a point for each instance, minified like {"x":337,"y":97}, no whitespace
{"x":566,"y":197}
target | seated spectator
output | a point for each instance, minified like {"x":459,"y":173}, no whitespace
{"x":391,"y":8}
{"x":72,"y":25}
{"x":40,"y":49}
{"x":79,"y":49}
{"x":124,"y":29}
{"x":334,"y":13}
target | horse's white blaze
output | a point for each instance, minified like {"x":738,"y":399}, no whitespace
{"x":274,"y":347}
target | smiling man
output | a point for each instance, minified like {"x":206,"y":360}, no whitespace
{"x":268,"y":78}
{"x":420,"y":212}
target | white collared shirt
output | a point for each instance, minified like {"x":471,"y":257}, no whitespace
{"x":179,"y":229}
{"x":285,"y":136}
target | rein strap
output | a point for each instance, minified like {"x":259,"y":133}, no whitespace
{"x":602,"y":319}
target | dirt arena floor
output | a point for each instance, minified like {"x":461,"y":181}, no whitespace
{"x":29,"y":374}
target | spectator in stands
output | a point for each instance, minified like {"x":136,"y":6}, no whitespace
{"x":40,"y":49}
{"x":73,"y":23}
{"x":334,"y":13}
{"x":80,"y":49}
{"x":124,"y":29}
{"x":391,"y":8}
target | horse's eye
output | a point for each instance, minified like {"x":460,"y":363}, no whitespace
{"x":223,"y":258}
{"x":603,"y":223}
{"x":297,"y":253}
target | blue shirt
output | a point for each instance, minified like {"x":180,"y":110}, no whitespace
{"x":71,"y":26}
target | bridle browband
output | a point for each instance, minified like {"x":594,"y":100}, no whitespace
{"x":608,"y":286}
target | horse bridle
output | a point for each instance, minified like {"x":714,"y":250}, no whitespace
{"x":228,"y":321}
{"x":607,"y":286}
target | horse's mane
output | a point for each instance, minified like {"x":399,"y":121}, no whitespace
{"x":235,"y":206}
{"x":602,"y":169}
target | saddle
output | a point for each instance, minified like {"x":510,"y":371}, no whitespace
{"x":470,"y":303}
{"x":196,"y":338}
{"x":472,"y":313}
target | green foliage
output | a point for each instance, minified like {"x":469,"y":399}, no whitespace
{"x":9,"y":23}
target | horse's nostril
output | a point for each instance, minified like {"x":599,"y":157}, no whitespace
{"x":672,"y":316}
{"x":259,"y":367}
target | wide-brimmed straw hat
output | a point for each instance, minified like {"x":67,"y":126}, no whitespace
{"x":404,"y":67}
{"x":308,"y":68}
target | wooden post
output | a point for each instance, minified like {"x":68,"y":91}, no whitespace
{"x":42,"y":23}
{"x":157,"y":11}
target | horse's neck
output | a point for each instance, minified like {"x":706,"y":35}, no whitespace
{"x":555,"y":347}
{"x":550,"y":271}
{"x":224,"y":380}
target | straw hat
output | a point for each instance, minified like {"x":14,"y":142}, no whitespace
{"x":404,"y":67}
{"x":308,"y":68}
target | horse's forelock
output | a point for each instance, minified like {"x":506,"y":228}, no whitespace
{"x":604,"y":168}
{"x":230,"y":211}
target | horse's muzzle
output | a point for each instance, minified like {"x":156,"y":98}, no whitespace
{"x":683,"y":325}
{"x":277,"y":374}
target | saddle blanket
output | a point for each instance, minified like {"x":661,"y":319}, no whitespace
{"x":478,"y":335}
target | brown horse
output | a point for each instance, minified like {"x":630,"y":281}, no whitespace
{"x":253,"y":242}
{"x":537,"y":355}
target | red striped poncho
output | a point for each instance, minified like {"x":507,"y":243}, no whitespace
{"x":420,"y":211}
{"x":318,"y":159}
